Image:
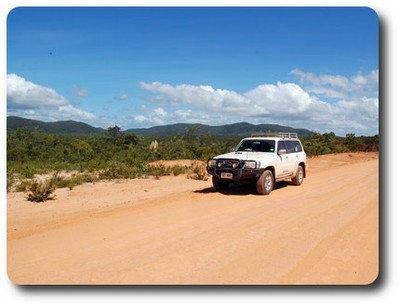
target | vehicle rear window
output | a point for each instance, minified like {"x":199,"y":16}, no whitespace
{"x":291,"y":146}
{"x":297,"y":146}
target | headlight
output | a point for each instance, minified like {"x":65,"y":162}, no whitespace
{"x":250,"y":164}
{"x":212,"y":162}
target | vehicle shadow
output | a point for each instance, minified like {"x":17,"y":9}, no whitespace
{"x":241,"y":189}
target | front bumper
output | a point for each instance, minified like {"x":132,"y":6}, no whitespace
{"x":238,"y":174}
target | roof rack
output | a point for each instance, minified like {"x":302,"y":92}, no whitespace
{"x":277,"y":134}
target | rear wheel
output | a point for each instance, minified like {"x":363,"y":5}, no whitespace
{"x":219,"y":184}
{"x":265,"y":182}
{"x":298,"y":179}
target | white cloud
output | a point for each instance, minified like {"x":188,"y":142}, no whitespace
{"x":337,"y":86}
{"x":140,"y":118}
{"x":327,"y":103}
{"x":224,"y":105}
{"x":27,"y":95}
{"x":122,"y":97}
{"x":160,"y":116}
{"x":201,"y":97}
{"x":282,"y":98}
{"x":265,"y":99}
{"x":30,"y":100}
{"x":322,"y":103}
{"x":68,"y":112}
{"x":80,"y":92}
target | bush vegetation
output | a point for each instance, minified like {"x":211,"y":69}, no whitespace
{"x":115,"y":155}
{"x":41,"y":191}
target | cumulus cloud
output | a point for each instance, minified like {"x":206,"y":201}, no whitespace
{"x":30,"y":100}
{"x":323,"y":103}
{"x":201,"y":97}
{"x":282,"y":98}
{"x":159,"y":116}
{"x":27,"y":95}
{"x":267,"y":99}
{"x":337,"y":86}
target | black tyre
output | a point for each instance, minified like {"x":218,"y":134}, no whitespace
{"x":298,"y":179}
{"x":265,"y":182}
{"x":219,"y":184}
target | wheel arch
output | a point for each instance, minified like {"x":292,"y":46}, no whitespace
{"x":304,"y":168}
{"x":272,"y":169}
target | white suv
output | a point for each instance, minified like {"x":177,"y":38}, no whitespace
{"x":263,"y":160}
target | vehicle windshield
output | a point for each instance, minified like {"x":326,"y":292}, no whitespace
{"x":257,"y":145}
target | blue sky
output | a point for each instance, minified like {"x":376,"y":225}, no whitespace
{"x":314,"y":68}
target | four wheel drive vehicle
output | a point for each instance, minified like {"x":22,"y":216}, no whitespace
{"x":263,"y":160}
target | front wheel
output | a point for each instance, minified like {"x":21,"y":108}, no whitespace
{"x":219,"y":184}
{"x":265,"y":183}
{"x":298,"y":179}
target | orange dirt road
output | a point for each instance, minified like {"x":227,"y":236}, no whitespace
{"x":180,"y":231}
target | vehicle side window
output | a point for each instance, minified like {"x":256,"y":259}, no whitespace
{"x":289,"y":147}
{"x":281,"y":145}
{"x":297,"y":146}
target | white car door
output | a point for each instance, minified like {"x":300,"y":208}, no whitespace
{"x":283,"y":161}
{"x":292,"y":157}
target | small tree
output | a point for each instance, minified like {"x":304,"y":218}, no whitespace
{"x":114,"y":133}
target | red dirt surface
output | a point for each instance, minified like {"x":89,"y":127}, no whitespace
{"x":175,"y":230}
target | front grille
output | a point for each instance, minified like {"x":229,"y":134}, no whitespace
{"x":228,"y":164}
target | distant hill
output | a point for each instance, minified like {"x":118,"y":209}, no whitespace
{"x":236,"y":129}
{"x":79,"y":128}
{"x":69,"y":127}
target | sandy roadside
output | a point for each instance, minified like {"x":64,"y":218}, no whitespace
{"x":180,"y":231}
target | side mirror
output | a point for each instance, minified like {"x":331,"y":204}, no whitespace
{"x":282,"y":152}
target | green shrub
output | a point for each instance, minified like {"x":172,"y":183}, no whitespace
{"x":177,"y":170}
{"x":41,"y":192}
{"x":199,"y":172}
{"x":22,"y":186}
{"x":76,"y":179}
{"x":160,"y":170}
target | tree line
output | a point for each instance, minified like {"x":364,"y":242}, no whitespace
{"x":327,"y":143}
{"x":114,"y":154}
